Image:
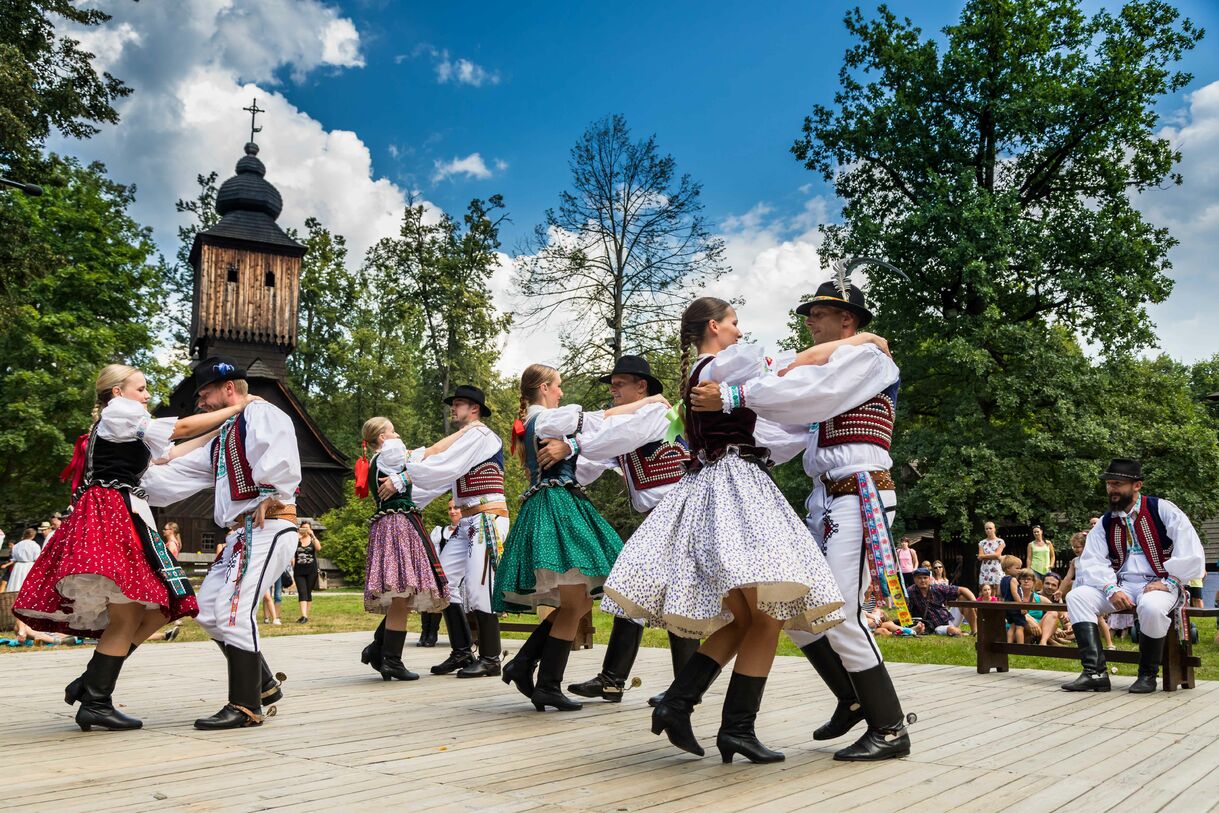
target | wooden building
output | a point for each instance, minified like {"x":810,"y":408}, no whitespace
{"x":247,"y":292}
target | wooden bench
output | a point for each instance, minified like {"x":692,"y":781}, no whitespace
{"x":583,"y":639}
{"x":1177,"y":666}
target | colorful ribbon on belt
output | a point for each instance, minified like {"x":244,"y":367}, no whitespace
{"x":242,"y":549}
{"x":881,"y":554}
{"x":489,"y":536}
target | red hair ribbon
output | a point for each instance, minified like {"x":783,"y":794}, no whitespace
{"x":362,"y":473}
{"x":76,"y":468}
{"x":518,"y":431}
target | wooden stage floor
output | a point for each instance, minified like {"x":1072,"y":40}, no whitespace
{"x":344,"y":740}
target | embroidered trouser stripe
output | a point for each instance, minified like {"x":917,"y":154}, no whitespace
{"x":846,"y":555}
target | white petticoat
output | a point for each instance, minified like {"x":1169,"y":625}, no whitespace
{"x":726,"y":526}
{"x":90,"y":594}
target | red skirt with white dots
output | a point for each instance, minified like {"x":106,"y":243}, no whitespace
{"x":96,"y":558}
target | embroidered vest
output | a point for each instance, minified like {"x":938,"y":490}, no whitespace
{"x":1151,"y":533}
{"x":655,"y":464}
{"x":230,"y":461}
{"x":560,"y":474}
{"x":401,"y":501}
{"x":870,"y":422}
{"x":484,"y":479}
{"x":713,"y":432}
{"x":116,"y":462}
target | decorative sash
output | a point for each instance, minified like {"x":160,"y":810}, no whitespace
{"x":882,"y":556}
{"x":241,"y":549}
{"x":488,"y":532}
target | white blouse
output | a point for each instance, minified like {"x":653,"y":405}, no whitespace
{"x":124,"y":420}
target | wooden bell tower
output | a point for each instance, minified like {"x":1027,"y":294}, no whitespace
{"x":247,"y":294}
{"x":247,"y":274}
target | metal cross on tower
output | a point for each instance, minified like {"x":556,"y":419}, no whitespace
{"x":254,"y":110}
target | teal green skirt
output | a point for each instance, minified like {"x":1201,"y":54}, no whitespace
{"x":557,"y":538}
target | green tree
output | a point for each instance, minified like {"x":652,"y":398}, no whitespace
{"x":329,"y":294}
{"x":620,"y":257}
{"x":92,"y":305}
{"x":997,"y":169}
{"x":47,"y":81}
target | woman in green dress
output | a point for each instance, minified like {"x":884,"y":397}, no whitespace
{"x":559,"y":550}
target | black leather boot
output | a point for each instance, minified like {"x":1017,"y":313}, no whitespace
{"x":73,"y":691}
{"x":392,"y":667}
{"x":372,"y":653}
{"x":737,"y":735}
{"x":272,"y":683}
{"x":460,"y":639}
{"x":429,"y":629}
{"x":519,"y":670}
{"x":1151,"y":652}
{"x":489,"y":649}
{"x":680,"y":651}
{"x":1095,"y":676}
{"x":96,"y":703}
{"x":549,"y":691}
{"x":886,"y":737}
{"x":620,"y":654}
{"x":672,"y":715}
{"x":849,"y":712}
{"x":245,"y":693}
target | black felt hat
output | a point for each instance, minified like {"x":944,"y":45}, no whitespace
{"x":1123,"y":468}
{"x":829,"y":294}
{"x":470,"y":392}
{"x":217,"y":368}
{"x":637,"y":366}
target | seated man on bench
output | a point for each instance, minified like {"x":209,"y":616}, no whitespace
{"x":1138,"y":557}
{"x":928,"y":601}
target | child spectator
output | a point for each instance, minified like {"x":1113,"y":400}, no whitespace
{"x":1009,"y":590}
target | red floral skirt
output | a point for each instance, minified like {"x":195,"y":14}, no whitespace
{"x":95,"y":558}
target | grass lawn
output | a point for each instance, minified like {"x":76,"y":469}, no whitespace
{"x":344,"y":612}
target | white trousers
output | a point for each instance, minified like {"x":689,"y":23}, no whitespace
{"x":836,"y":524}
{"x":466,"y":563}
{"x":272,"y":551}
{"x":1085,"y":604}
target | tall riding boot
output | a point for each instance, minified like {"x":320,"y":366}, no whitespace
{"x":487,"y":664}
{"x":620,"y":654}
{"x":73,"y":691}
{"x":429,"y":628}
{"x":741,"y":706}
{"x":96,"y":699}
{"x":1151,"y":652}
{"x":391,"y":657}
{"x":372,"y":653}
{"x":886,"y":736}
{"x":245,"y":693}
{"x":549,"y":691}
{"x":519,"y":670}
{"x":672,"y":715}
{"x":460,"y":639}
{"x":272,"y":683}
{"x":849,"y":711}
{"x":680,"y":651}
{"x":1095,"y":677}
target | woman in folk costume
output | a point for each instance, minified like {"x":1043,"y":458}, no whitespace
{"x":403,"y":571}
{"x":106,"y":573}
{"x":723,"y":556}
{"x":560,"y":550}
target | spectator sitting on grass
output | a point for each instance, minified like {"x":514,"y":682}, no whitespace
{"x":929,"y":602}
{"x":1040,"y":624}
{"x":880,"y":624}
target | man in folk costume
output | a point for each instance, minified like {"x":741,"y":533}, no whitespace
{"x":254,"y":466}
{"x":650,"y":470}
{"x":1137,"y":558}
{"x":473,"y":469}
{"x":848,"y":406}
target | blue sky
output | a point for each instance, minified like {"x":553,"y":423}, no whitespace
{"x":371,"y":102}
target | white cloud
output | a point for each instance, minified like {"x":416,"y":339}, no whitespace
{"x":463,"y":72}
{"x":472,"y":166}
{"x":1186,"y":323}
{"x":193,"y":66}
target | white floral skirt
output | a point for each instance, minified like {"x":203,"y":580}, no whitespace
{"x":724,"y":527}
